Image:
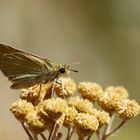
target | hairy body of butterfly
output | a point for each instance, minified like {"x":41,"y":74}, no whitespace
{"x":25,"y":70}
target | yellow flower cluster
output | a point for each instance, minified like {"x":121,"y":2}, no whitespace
{"x":82,"y":105}
{"x":111,"y":96}
{"x":40,"y":111}
{"x":90,"y":91}
{"x":66,"y":88}
{"x":127,"y":108}
{"x":86,"y":124}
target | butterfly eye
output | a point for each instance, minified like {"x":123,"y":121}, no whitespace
{"x":62,"y":70}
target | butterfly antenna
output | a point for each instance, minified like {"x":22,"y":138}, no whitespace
{"x":73,"y":70}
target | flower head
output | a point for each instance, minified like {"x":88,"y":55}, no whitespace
{"x":81,"y":105}
{"x":35,"y":122}
{"x":127,"y":108}
{"x":37,"y":93}
{"x":73,"y":101}
{"x":21,"y":108}
{"x":86,"y":124}
{"x":70,"y":115}
{"x":103,"y":117}
{"x":111,"y":96}
{"x":66,"y":88}
{"x":118,"y":91}
{"x":52,"y":108}
{"x":89,"y":90}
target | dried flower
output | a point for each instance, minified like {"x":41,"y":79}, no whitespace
{"x":73,"y":101}
{"x":53,"y":108}
{"x":70,"y":115}
{"x":111,"y":96}
{"x":119,"y":91}
{"x":81,"y":105}
{"x":21,"y":108}
{"x":127,"y":108}
{"x":35,"y":122}
{"x":86,"y":124}
{"x":66,"y":88}
{"x":103,"y":117}
{"x":85,"y":106}
{"x":37,"y":93}
{"x":90,"y":91}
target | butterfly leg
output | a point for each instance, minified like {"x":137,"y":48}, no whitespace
{"x":40,"y":86}
{"x":52,"y":92}
{"x":62,"y":86}
{"x":34,"y":87}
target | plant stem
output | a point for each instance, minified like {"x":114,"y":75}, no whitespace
{"x":59,"y":136}
{"x":88,"y":138}
{"x":43,"y":137}
{"x":35,"y":136}
{"x":81,"y":137}
{"x":114,"y":130}
{"x":53,"y":133}
{"x":27,"y":131}
{"x":108,"y":127}
{"x":70,"y":132}
{"x":98,"y":134}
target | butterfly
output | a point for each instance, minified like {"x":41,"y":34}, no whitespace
{"x":25,"y":70}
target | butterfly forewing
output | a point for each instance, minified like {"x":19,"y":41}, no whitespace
{"x":7,"y":49}
{"x":23,"y":69}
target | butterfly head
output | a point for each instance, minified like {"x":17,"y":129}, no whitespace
{"x":65,"y":69}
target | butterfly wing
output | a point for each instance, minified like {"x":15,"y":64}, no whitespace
{"x":5,"y":49}
{"x":23,"y":69}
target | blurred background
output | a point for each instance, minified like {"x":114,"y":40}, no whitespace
{"x":104,"y":36}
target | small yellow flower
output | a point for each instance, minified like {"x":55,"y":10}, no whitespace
{"x":119,"y":91}
{"x":52,"y":108}
{"x":81,"y":105}
{"x":21,"y":108}
{"x":66,"y":87}
{"x":86,"y":124}
{"x":103,"y":117}
{"x":70,"y":115}
{"x":127,"y":108}
{"x":35,"y":122}
{"x":73,"y":101}
{"x":37,"y":93}
{"x":90,"y":91}
{"x":111,"y":96}
{"x":85,"y":106}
